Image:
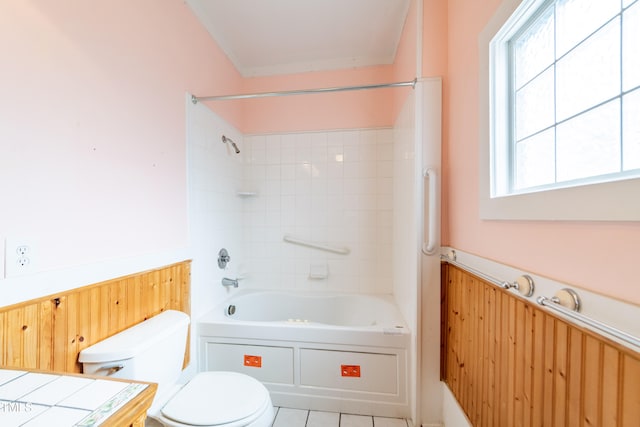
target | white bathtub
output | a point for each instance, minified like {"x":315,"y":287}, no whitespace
{"x":337,"y":352}
{"x":334,"y":309}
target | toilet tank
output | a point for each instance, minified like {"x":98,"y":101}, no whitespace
{"x":150,"y":351}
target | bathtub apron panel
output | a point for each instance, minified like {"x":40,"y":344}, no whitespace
{"x":310,"y":365}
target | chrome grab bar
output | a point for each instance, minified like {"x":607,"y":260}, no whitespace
{"x":550,"y":303}
{"x":430,"y":244}
{"x":523,"y":284}
{"x":335,"y":249}
{"x":610,"y":330}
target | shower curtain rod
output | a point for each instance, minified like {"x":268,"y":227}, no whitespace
{"x":195,"y":99}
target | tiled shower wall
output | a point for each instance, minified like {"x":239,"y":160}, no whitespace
{"x":215,"y":211}
{"x":334,"y":188}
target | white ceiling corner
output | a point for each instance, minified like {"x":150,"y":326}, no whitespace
{"x":268,"y":37}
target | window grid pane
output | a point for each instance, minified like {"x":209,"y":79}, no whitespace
{"x":534,"y":50}
{"x":535,"y":106}
{"x":630,"y":49}
{"x":590,"y":73}
{"x":631,"y":131}
{"x":568,"y":118}
{"x":589,"y":144}
{"x":535,"y":160}
{"x":577,"y":19}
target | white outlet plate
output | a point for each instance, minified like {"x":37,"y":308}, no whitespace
{"x":19,"y":257}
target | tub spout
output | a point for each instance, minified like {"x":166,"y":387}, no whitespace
{"x":229,"y":282}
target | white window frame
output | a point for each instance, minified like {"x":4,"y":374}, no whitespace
{"x":607,"y":201}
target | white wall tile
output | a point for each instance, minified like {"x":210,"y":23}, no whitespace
{"x":328,"y":187}
{"x":385,"y":202}
{"x":272,"y":150}
{"x":385,"y":136}
{"x":273,"y":172}
{"x":288,"y":187}
{"x":216,"y":215}
{"x":334,"y":149}
{"x":350,"y":137}
{"x":258,"y":156}
{"x":319,"y":153}
{"x":287,"y":172}
{"x":335,"y":139}
{"x":350,"y":153}
{"x":320,"y":187}
{"x":303,"y":149}
{"x":287,"y":155}
{"x":368,"y":136}
{"x":335,"y":187}
{"x":385,"y":185}
{"x":384,"y":152}
{"x":256,"y":142}
{"x":303,"y":187}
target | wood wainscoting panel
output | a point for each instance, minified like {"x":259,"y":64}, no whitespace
{"x":48,"y":333}
{"x":510,"y":363}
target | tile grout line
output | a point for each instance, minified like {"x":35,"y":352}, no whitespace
{"x":308,"y":416}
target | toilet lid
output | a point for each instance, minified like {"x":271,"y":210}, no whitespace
{"x":213,"y":398}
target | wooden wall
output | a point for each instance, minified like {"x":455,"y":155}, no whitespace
{"x":510,"y":363}
{"x":48,"y":333}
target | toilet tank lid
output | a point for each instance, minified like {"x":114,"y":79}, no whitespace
{"x":132,"y":341}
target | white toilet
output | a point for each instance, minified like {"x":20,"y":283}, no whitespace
{"x":153,"y":351}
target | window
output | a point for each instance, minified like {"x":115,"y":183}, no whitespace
{"x":564,"y":102}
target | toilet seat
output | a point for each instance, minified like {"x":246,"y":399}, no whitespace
{"x":217,"y":399}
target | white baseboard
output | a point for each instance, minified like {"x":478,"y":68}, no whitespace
{"x":452,"y":413}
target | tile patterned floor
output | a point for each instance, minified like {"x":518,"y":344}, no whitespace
{"x":286,"y":417}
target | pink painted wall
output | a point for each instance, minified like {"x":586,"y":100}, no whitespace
{"x":369,"y":108}
{"x":92,"y":124}
{"x":92,"y":135}
{"x":405,"y":64}
{"x":601,"y":257}
{"x":92,"y":114}
{"x":359,"y":109}
{"x":434,"y":38}
{"x":435,"y":64}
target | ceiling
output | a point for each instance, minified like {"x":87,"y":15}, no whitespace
{"x":268,"y":37}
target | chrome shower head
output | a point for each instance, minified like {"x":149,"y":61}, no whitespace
{"x":235,"y":147}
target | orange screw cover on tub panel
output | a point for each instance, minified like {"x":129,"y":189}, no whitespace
{"x":350,"y":370}
{"x":253,"y":361}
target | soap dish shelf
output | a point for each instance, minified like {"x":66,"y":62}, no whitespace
{"x":244,"y":194}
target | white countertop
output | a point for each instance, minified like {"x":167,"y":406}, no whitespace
{"x":30,"y":399}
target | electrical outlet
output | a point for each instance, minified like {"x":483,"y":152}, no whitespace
{"x":19,"y":257}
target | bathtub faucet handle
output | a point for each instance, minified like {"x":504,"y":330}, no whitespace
{"x":223,"y":258}
{"x":229,"y":282}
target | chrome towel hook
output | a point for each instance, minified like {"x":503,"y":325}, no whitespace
{"x":523,"y":284}
{"x":567,"y":298}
